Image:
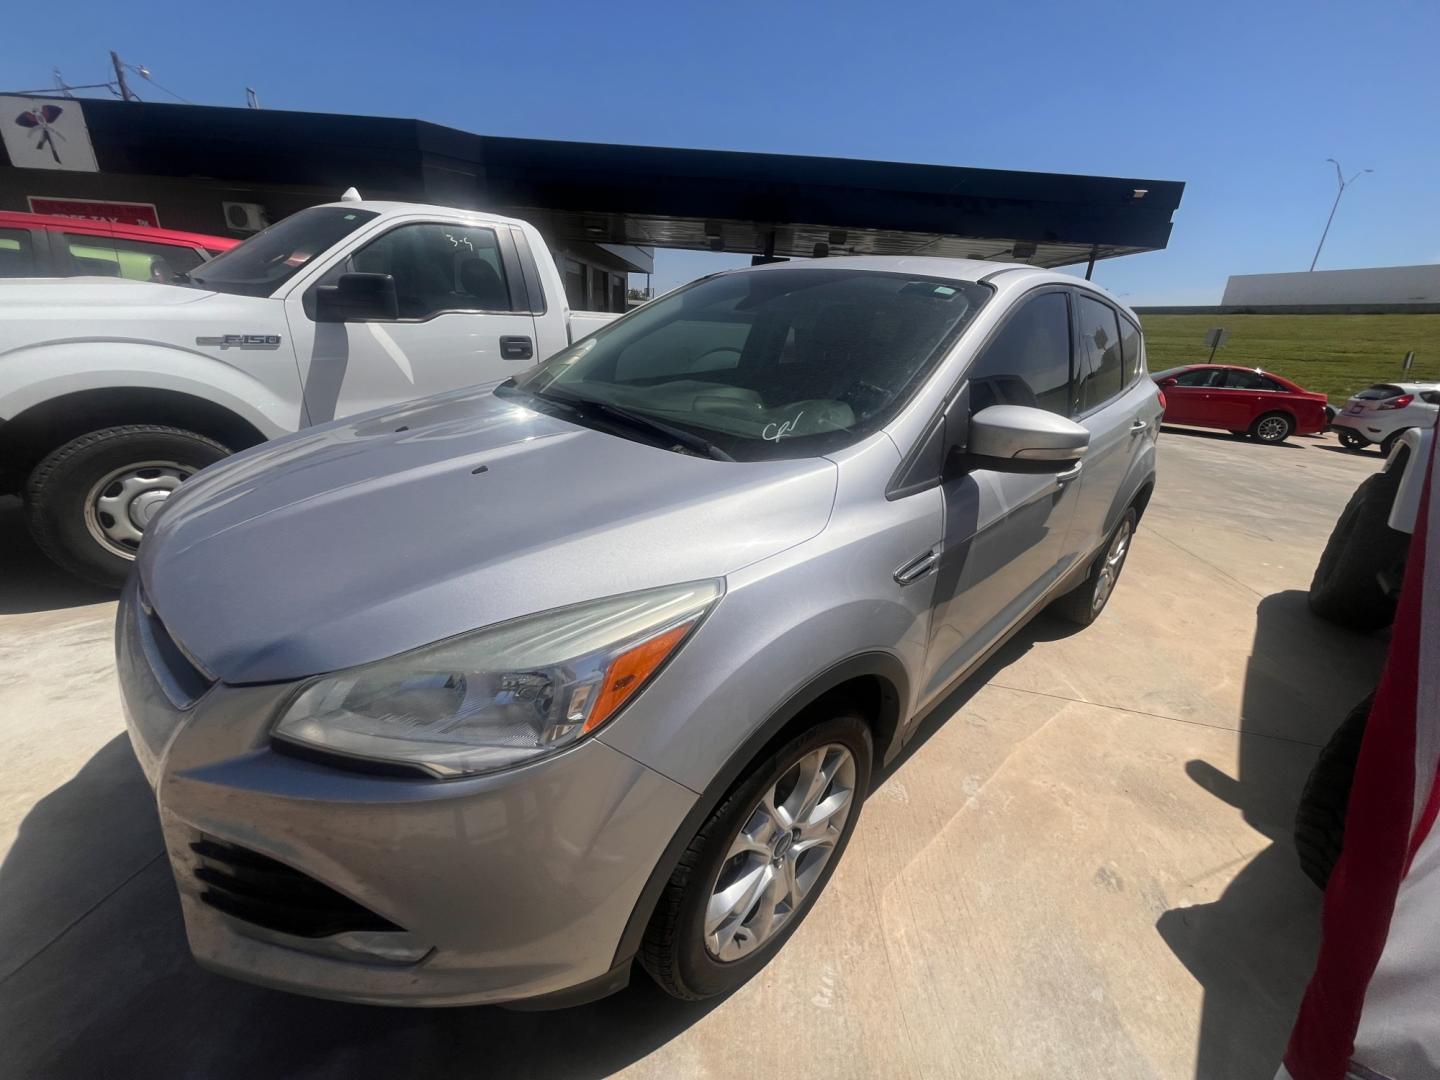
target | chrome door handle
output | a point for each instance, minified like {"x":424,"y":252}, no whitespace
{"x":918,"y":567}
{"x":1069,"y":474}
{"x":1139,"y":426}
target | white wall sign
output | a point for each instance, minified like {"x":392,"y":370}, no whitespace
{"x":46,"y":133}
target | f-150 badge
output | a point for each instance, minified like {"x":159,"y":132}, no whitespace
{"x":241,"y":341}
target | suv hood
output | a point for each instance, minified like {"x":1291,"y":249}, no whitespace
{"x":361,"y":539}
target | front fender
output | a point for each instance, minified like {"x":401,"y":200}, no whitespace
{"x":262,"y":386}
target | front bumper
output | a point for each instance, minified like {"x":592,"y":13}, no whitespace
{"x":517,"y":885}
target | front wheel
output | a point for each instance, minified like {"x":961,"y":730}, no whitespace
{"x":89,"y":502}
{"x":1272,"y":428}
{"x":759,"y":862}
{"x":1352,"y":440}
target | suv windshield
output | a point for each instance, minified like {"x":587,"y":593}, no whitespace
{"x":771,"y":364}
{"x":268,"y":259}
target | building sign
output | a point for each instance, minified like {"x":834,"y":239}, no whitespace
{"x":122,"y":213}
{"x":46,"y":133}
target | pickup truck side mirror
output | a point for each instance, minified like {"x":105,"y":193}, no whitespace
{"x":357,"y":298}
{"x":1019,"y":438}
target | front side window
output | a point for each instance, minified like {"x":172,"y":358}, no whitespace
{"x":438,"y":268}
{"x":270,"y":258}
{"x":17,"y":253}
{"x":1028,"y":361}
{"x":136,"y":260}
{"x":769,"y":364}
{"x":1104,"y":375}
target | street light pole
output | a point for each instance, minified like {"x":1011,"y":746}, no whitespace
{"x":1339,"y":176}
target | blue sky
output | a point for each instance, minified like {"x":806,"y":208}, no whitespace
{"x":1244,"y":102}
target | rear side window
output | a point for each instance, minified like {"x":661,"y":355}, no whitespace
{"x":1130,"y":351}
{"x":1104,"y":375}
{"x":1028,"y":362}
{"x":1250,"y":380}
{"x":1379,"y":392}
{"x":17,"y":254}
{"x":136,"y":260}
{"x":438,"y":268}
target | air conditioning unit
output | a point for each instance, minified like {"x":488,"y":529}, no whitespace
{"x":245,"y":216}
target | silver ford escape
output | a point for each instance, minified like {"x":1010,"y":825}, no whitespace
{"x":485,"y":697}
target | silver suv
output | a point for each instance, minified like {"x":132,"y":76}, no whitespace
{"x":484,"y":697}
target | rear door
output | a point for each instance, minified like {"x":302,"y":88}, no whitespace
{"x":463,"y":319}
{"x":1108,"y":399}
{"x":1004,"y":532}
{"x":1245,"y":396}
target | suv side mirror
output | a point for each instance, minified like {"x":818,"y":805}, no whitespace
{"x":357,"y":298}
{"x":1019,"y":438}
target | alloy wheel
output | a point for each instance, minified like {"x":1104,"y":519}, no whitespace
{"x":780,"y":852}
{"x":1272,"y":429}
{"x":1110,"y":568}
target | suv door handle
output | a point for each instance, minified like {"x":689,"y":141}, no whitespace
{"x":1069,"y":474}
{"x":1138,"y":426}
{"x":918,"y":567}
{"x":516,"y":348}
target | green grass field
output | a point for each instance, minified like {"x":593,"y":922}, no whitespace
{"x":1334,"y":354}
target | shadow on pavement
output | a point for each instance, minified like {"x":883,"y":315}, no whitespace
{"x":1209,"y":433}
{"x":1253,"y":949}
{"x":28,"y":580}
{"x":116,"y":993}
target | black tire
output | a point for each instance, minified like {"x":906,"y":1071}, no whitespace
{"x":673,"y":951}
{"x":58,"y":489}
{"x":1351,"y":439}
{"x":1320,"y":817}
{"x":1078,"y":605}
{"x":1346,"y":588}
{"x":1273,"y":434}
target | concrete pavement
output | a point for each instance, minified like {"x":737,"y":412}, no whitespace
{"x":1083,"y":870}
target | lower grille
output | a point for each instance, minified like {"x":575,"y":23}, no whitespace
{"x":258,"y":889}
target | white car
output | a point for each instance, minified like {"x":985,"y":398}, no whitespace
{"x":112,"y":392}
{"x":1378,"y":414}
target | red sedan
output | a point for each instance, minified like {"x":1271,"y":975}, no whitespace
{"x":45,"y":245}
{"x":1245,"y":401}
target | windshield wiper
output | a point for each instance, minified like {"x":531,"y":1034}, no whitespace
{"x":639,"y":421}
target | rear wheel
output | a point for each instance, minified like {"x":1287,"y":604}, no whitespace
{"x":1083,"y":604}
{"x":1272,"y":428}
{"x":1388,"y":443}
{"x":89,"y":502}
{"x":1320,"y":817}
{"x":1352,"y":440}
{"x":1362,"y":547}
{"x":759,"y":862}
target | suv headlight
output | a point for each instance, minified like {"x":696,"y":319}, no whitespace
{"x":501,"y":696}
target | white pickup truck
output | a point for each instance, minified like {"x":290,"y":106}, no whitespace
{"x":112,"y":392}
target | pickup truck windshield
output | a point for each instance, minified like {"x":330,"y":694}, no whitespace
{"x":268,"y":259}
{"x":779,"y":363}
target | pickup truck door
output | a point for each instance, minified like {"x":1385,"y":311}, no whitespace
{"x":463,"y":319}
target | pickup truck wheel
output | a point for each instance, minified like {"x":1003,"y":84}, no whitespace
{"x":87,"y":504}
{"x":1082,"y":605}
{"x":1352,"y":440}
{"x":1272,"y":428}
{"x":1320,"y":817}
{"x":756,"y":866}
{"x":1346,"y":588}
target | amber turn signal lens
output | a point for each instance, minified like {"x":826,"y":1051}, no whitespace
{"x":630,"y":670}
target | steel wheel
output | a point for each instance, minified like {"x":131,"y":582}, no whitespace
{"x":1110,"y":568}
{"x":121,"y":504}
{"x":779,"y":853}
